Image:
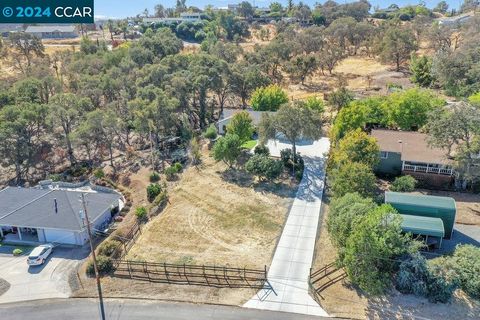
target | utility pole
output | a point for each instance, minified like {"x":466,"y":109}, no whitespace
{"x":94,"y":257}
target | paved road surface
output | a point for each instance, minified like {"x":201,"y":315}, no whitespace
{"x":290,"y":268}
{"x":73,"y":309}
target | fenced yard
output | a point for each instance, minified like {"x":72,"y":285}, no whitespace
{"x":200,"y":275}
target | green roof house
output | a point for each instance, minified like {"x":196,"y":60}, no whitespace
{"x":425,"y":214}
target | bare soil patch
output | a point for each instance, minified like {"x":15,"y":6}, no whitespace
{"x":468,"y":205}
{"x":217,"y":216}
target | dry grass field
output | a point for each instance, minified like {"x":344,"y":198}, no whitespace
{"x":216,"y":216}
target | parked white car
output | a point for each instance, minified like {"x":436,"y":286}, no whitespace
{"x":39,"y":254}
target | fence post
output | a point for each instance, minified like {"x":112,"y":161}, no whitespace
{"x":128,"y":266}
{"x":166,"y":272}
{"x":204,"y":275}
{"x":225,"y":276}
{"x":185,"y":273}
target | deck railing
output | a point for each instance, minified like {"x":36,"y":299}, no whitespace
{"x":427,"y":169}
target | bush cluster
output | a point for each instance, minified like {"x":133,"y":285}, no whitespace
{"x":104,"y":264}
{"x":141,"y":213}
{"x":154,"y":177}
{"x":211,"y":132}
{"x":292,"y":164}
{"x":261,"y":149}
{"x":153,"y":190}
{"x":264,"y":167}
{"x":172,"y":171}
{"x":109,"y":248}
{"x":404,"y":184}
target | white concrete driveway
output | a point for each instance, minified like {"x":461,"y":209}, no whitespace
{"x":290,"y":268}
{"x":37,"y":282}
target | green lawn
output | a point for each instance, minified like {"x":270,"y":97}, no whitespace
{"x":249,"y":144}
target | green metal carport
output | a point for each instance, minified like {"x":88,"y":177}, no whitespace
{"x":425,"y":206}
{"x":425,"y":226}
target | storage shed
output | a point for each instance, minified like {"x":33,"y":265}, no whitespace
{"x":425,"y":206}
{"x":425,"y":226}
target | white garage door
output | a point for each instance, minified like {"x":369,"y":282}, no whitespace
{"x":60,"y":236}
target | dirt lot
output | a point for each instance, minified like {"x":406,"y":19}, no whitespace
{"x":363,"y":75}
{"x":216,"y":216}
{"x":468,"y":205}
{"x":343,"y":300}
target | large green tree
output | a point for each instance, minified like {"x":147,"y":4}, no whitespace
{"x":456,"y":128}
{"x":227,"y":149}
{"x":353,"y":177}
{"x":295,"y":122}
{"x":241,"y":124}
{"x":343,"y":215}
{"x":357,"y":146}
{"x":371,"y":249}
{"x":268,"y":98}
{"x":66,"y":110}
{"x":396,"y":45}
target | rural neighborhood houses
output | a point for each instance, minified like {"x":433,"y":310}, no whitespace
{"x":42,"y":215}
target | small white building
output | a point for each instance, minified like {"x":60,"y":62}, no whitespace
{"x":53,"y":32}
{"x":40,"y":215}
{"x":184,"y":17}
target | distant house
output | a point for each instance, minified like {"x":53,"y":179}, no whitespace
{"x":228,"y":114}
{"x":403,"y":152}
{"x":52,"y":32}
{"x":39,"y":215}
{"x":184,"y":17}
{"x":456,"y":20}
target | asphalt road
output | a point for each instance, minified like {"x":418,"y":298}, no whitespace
{"x":72,"y":309}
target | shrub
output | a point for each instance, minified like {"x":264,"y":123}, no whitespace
{"x":404,"y":184}
{"x":104,"y":264}
{"x":344,"y":213}
{"x":353,"y":177}
{"x":211,"y":132}
{"x":268,"y":98}
{"x":170,"y":172}
{"x":261,"y":149}
{"x":178,"y":166}
{"x":153,"y":190}
{"x":55,"y":177}
{"x":466,"y":263}
{"x":98,"y":173}
{"x":413,"y":276}
{"x":286,"y":156}
{"x":439,"y":287}
{"x":141,"y":213}
{"x":264,"y":167}
{"x":227,"y":149}
{"x":154,"y":177}
{"x":17,"y":251}
{"x":109,"y":248}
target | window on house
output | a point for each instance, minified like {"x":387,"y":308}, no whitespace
{"x":383,"y":154}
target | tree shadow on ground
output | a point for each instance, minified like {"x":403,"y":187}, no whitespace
{"x":237,"y":176}
{"x":284,"y":189}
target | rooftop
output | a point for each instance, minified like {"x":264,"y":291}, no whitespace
{"x":423,"y":225}
{"x":420,"y":200}
{"x":37,"y":29}
{"x":35,"y":208}
{"x":413,"y":146}
{"x":256,"y":115}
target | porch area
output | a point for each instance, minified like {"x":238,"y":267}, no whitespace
{"x":18,"y":235}
{"x":427,"y":168}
